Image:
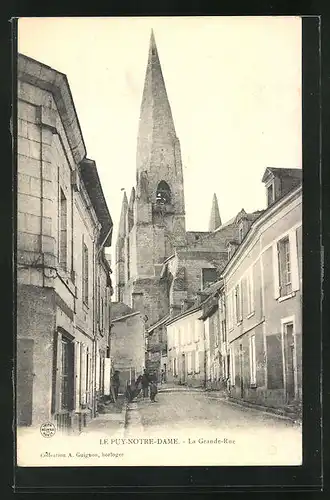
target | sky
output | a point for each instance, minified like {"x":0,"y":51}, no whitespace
{"x":234,"y":85}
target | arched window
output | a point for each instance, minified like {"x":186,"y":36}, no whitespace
{"x":163,"y":194}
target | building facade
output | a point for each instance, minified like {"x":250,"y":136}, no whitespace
{"x":186,"y":349}
{"x":127,"y":343}
{"x":63,"y":278}
{"x":263,"y":287}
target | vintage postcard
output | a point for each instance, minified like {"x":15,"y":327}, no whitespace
{"x":159,"y":241}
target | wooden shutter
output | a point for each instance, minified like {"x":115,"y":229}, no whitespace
{"x":274,"y":362}
{"x":83,"y":373}
{"x":193,"y":361}
{"x":77,"y":358}
{"x":276,"y":277}
{"x":294,"y":260}
{"x":57,"y":372}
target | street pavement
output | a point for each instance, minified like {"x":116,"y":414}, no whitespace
{"x":195,"y":417}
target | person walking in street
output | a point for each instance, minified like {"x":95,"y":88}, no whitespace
{"x":145,"y":383}
{"x":116,"y":383}
{"x":153,"y":390}
{"x":162,"y":377}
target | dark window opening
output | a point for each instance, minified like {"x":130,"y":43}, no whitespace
{"x":67,"y":371}
{"x":270,"y":194}
{"x":209,"y":276}
{"x":163,"y":194}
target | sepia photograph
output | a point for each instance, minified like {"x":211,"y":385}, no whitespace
{"x":159,"y":241}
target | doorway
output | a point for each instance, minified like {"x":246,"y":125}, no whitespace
{"x":289,"y":364}
{"x":241,"y":372}
{"x":183,"y":368}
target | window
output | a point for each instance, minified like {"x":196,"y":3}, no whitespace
{"x":253,"y":367}
{"x":190,"y":332}
{"x":197,"y":360}
{"x":232,"y":366}
{"x":102,"y":313}
{"x":216,"y":327}
{"x":175,"y":372}
{"x":223,"y":331}
{"x":284,"y":266}
{"x":67,"y":369}
{"x":63,"y":236}
{"x":230,"y":311}
{"x":209,"y":276}
{"x":238,"y":303}
{"x":163,"y":193}
{"x":189,"y":362}
{"x":250,"y":301}
{"x":270,"y":194}
{"x":85,"y":273}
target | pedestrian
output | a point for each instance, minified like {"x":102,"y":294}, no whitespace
{"x":145,"y":380}
{"x":116,"y":383}
{"x":153,"y":391}
{"x":162,"y":377}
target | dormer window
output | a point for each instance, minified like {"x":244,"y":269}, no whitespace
{"x":240,"y":233}
{"x":163,"y":193}
{"x":270,"y":194}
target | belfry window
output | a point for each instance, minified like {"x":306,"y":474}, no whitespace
{"x":163,"y":194}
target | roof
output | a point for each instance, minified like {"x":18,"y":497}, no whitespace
{"x":94,"y":189}
{"x":40,"y":75}
{"x":259,"y":220}
{"x":122,"y":318}
{"x":119,"y":309}
{"x":36,"y":73}
{"x":282,"y":172}
{"x":158,"y":323}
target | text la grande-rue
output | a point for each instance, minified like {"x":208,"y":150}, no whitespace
{"x":160,"y":441}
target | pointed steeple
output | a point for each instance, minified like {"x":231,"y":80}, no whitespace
{"x":215,"y":219}
{"x":156,"y":121}
{"x":122,"y":220}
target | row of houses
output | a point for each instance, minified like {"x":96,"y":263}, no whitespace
{"x":242,"y":334}
{"x":64,"y":287}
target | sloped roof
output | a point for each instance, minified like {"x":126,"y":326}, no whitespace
{"x":119,"y":309}
{"x":282,"y":172}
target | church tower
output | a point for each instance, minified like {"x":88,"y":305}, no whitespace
{"x":160,"y":193}
{"x":153,"y":222}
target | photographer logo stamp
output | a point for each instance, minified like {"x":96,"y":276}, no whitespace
{"x":47,"y":430}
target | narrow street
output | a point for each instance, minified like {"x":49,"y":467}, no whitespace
{"x":196,"y":418}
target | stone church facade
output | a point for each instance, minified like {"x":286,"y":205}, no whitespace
{"x":161,"y":267}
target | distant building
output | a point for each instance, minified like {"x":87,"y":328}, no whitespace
{"x":263,"y":286}
{"x":63,"y":278}
{"x":128,"y":343}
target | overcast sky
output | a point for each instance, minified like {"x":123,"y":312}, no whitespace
{"x":234,"y":85}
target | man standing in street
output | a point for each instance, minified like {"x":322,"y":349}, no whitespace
{"x":145,"y":383}
{"x":116,"y":383}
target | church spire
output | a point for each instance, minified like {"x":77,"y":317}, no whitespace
{"x":215,"y":219}
{"x":122,"y":220}
{"x":156,"y":121}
